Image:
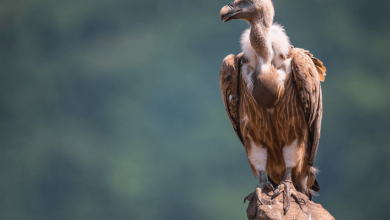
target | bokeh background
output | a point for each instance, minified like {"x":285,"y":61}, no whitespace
{"x":111,"y":109}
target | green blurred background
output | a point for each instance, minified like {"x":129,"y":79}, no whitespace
{"x":112,"y":109}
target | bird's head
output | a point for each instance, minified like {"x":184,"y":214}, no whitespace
{"x":249,"y":10}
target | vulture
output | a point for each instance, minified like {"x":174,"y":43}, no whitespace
{"x":272,"y":95}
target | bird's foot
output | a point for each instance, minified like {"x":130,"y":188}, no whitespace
{"x":260,"y":187}
{"x":286,"y":186}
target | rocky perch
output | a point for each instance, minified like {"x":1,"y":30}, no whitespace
{"x":273,"y":209}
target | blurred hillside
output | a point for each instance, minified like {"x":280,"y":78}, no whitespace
{"x":112,"y":109}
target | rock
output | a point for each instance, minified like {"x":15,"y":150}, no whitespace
{"x":273,"y":209}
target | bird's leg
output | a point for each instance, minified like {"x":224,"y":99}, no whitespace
{"x":263,"y":183}
{"x":286,"y":186}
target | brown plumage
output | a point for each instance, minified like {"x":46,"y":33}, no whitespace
{"x":273,"y":98}
{"x":229,"y":79}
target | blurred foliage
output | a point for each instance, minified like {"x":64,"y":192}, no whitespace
{"x":112,"y":109}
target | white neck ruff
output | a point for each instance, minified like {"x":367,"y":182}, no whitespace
{"x":280,"y":46}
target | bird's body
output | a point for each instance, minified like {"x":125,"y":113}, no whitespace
{"x":273,"y":123}
{"x":273,"y":97}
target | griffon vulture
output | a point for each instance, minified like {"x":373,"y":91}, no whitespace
{"x":272,"y":95}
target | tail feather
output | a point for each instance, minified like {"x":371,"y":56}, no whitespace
{"x":315,"y":187}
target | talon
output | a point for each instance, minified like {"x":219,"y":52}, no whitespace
{"x":258,"y":194}
{"x":285,"y":211}
{"x":276,"y":193}
{"x":298,"y":198}
{"x":269,"y":186}
{"x":261,"y":202}
{"x":287,"y":208}
{"x":286,"y":202}
{"x":248,"y":197}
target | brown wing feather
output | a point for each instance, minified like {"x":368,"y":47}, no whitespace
{"x":308,"y":71}
{"x":319,"y":66}
{"x":229,"y":79}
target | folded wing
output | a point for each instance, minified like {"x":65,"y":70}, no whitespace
{"x":308,"y":72}
{"x":229,"y":79}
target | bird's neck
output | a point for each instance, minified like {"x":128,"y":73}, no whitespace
{"x":260,"y":39}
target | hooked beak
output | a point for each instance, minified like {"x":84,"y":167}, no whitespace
{"x":228,"y":11}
